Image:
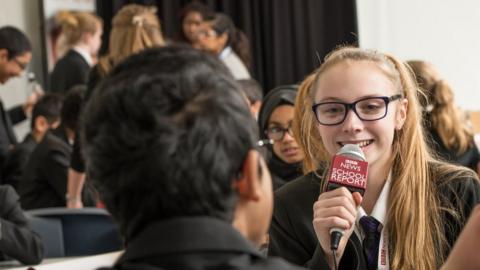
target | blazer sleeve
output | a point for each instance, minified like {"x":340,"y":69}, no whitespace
{"x":56,"y":170}
{"x":14,"y":166}
{"x":17,"y":240}
{"x":77,"y":76}
{"x":17,"y":114}
{"x":285,"y":244}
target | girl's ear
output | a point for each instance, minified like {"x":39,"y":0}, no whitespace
{"x":401,"y":115}
{"x":3,"y":55}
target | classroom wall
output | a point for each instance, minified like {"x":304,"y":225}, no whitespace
{"x":445,"y":33}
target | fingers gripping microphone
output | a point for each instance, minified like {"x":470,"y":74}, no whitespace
{"x":348,"y":169}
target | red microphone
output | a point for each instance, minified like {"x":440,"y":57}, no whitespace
{"x":349,"y":169}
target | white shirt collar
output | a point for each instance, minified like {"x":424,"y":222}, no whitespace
{"x":226,"y":51}
{"x":86,"y":55}
{"x":379,"y":211}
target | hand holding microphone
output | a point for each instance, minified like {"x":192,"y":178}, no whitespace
{"x":336,"y":209}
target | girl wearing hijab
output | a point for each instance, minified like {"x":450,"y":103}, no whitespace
{"x":275,"y":122}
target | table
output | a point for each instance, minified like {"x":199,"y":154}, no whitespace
{"x":70,"y":263}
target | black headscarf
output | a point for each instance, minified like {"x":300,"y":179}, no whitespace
{"x":281,"y":171}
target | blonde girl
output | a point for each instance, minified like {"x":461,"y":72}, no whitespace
{"x":82,"y":34}
{"x":134,"y":28}
{"x":417,"y":204}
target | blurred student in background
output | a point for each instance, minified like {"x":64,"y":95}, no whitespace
{"x":15,"y":55}
{"x":45,"y":116}
{"x":275,"y":123}
{"x":192,"y":17}
{"x":221,"y":38}
{"x":17,"y":240}
{"x":134,"y":28}
{"x":44,"y":182}
{"x":83,"y":35}
{"x":447,"y":131}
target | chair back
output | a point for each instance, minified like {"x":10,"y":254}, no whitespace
{"x":79,"y":232}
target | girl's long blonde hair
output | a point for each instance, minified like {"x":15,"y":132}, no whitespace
{"x":414,"y":219}
{"x":134,"y":28}
{"x":305,"y":134}
{"x":444,"y":115}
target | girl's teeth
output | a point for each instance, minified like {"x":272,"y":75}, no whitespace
{"x":361,"y":144}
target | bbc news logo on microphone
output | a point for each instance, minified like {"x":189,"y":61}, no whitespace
{"x":349,"y":172}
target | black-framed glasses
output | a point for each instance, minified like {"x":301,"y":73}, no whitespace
{"x":277,"y":133}
{"x":367,"y":109}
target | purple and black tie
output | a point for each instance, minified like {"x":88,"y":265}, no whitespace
{"x":372,"y":229}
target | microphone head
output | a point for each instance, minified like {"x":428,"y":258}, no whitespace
{"x":353,"y":151}
{"x":348,"y":169}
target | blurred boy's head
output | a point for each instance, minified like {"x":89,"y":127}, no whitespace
{"x":46,"y":114}
{"x":168,"y":134}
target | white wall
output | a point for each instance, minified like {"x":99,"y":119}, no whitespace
{"x":23,"y":14}
{"x":445,"y":33}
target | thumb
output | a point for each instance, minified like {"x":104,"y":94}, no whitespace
{"x":357,"y":198}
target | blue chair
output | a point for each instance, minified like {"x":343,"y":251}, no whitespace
{"x":75,"y":232}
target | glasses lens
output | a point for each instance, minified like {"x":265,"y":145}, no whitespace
{"x":371,"y":109}
{"x":330,"y":113}
{"x":275,"y":133}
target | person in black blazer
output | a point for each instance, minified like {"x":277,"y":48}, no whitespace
{"x":15,"y":54}
{"x":449,"y":135}
{"x":45,"y":115}
{"x":413,"y":207}
{"x":44,"y":182}
{"x":82,"y":32}
{"x":17,"y":240}
{"x":171,"y":145}
{"x":69,"y":71}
